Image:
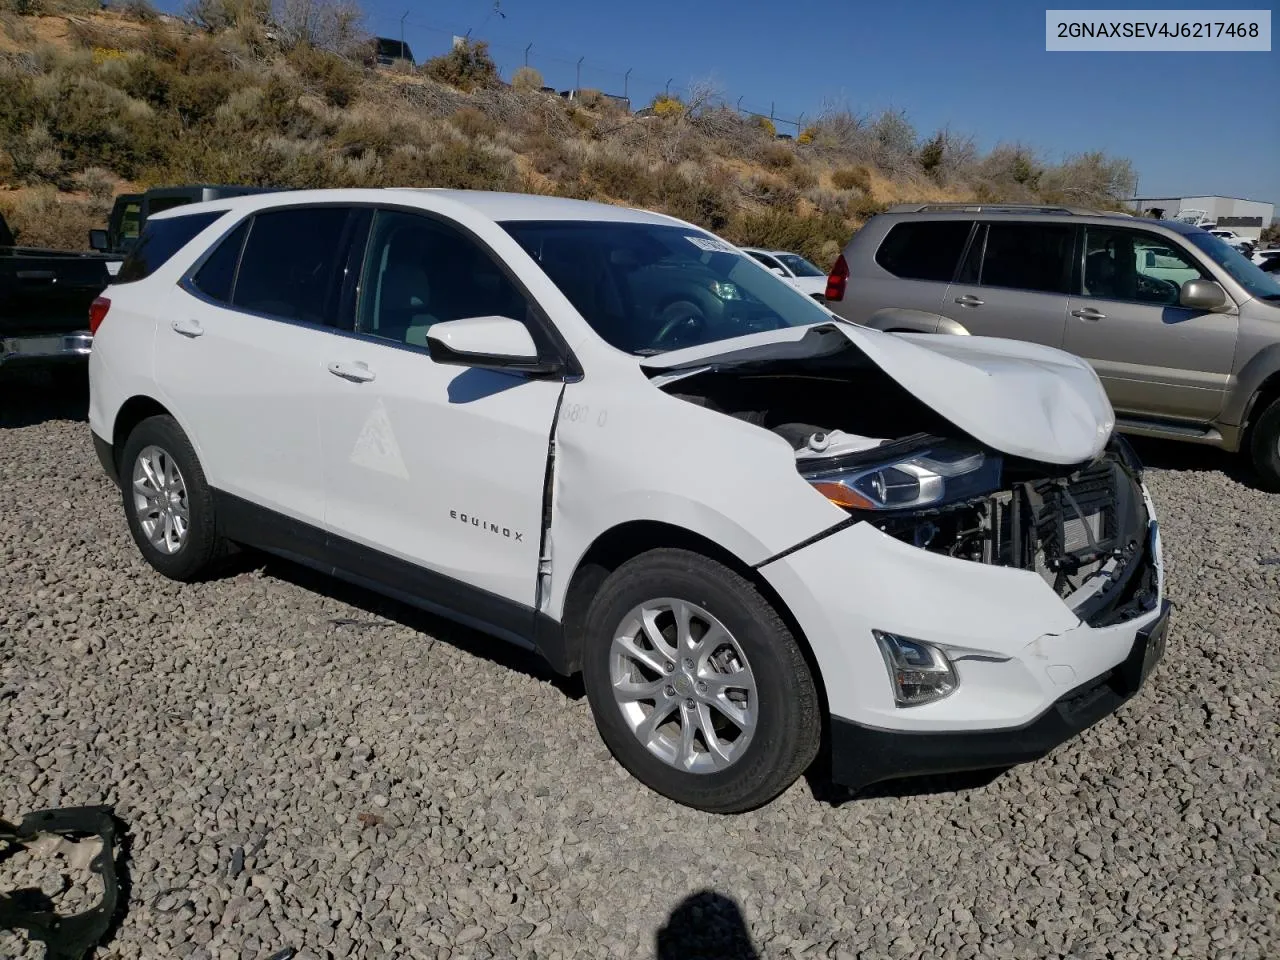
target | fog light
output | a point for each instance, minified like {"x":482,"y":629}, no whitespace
{"x":918,"y":672}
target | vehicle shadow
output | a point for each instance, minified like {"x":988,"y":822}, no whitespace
{"x":707,"y":926}
{"x":1174,"y":455}
{"x":35,"y":396}
{"x":377,"y":607}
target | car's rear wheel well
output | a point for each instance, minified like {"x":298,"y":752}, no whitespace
{"x":132,"y":413}
{"x":1268,"y":391}
{"x":622,"y":543}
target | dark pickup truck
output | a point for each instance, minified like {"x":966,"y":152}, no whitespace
{"x":44,"y":301}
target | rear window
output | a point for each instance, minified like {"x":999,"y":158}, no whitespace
{"x":924,"y":250}
{"x":160,"y":240}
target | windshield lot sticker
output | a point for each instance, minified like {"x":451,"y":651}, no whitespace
{"x":710,"y":245}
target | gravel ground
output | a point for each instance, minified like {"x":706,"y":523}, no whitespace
{"x":303,"y":765}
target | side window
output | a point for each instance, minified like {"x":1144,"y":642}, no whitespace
{"x":765,"y":260}
{"x":218,"y":272}
{"x":1028,"y":256}
{"x":160,"y":240}
{"x":290,"y":264}
{"x":924,"y":250}
{"x":419,"y":271}
{"x":1122,"y":264}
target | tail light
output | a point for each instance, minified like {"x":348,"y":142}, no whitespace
{"x":838,"y":280}
{"x":98,"y":312}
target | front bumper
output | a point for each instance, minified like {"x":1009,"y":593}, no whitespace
{"x":863,"y":755}
{"x":1033,"y":671}
{"x":46,"y":348}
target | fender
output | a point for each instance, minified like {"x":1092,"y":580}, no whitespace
{"x":1262,"y":366}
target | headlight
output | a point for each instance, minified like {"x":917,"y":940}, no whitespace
{"x":725,"y":290}
{"x":943,"y":473}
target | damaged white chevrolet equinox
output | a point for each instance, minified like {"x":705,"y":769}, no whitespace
{"x":610,"y":437}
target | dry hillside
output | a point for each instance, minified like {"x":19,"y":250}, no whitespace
{"x":98,"y":102}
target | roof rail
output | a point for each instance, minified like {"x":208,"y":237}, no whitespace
{"x":991,"y":208}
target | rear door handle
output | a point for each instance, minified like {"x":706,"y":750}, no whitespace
{"x":188,"y":328}
{"x":49,"y":275}
{"x":356,"y":371}
{"x":1088,"y":313}
{"x":969,"y":300}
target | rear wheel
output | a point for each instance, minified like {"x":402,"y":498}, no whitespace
{"x":1265,"y":446}
{"x":168,"y":502}
{"x":697,"y":685}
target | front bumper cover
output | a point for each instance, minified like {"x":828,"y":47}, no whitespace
{"x":863,"y":755}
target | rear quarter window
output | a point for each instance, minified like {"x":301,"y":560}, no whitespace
{"x":160,"y":240}
{"x":924,"y":250}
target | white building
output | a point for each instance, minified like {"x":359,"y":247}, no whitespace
{"x":1245,"y":217}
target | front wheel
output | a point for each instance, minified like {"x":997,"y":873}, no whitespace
{"x":697,"y":685}
{"x":1265,"y":447}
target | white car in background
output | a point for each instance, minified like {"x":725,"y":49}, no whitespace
{"x":793,"y":268}
{"x":608,"y":436}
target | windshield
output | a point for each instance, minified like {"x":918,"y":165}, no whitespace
{"x":1243,"y":270}
{"x":648,"y":288}
{"x":800,"y":266}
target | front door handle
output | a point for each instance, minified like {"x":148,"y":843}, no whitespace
{"x":356,"y":371}
{"x":969,"y":300}
{"x":188,"y":328}
{"x":1088,"y":313}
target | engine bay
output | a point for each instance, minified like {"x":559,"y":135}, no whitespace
{"x":1082,"y":528}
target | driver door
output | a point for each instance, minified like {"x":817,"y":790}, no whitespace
{"x":1155,"y":357}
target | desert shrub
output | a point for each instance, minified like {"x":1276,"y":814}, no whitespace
{"x":140,"y":10}
{"x":584,"y":121}
{"x":332,"y":25}
{"x":473,"y":123}
{"x":1090,"y":179}
{"x":43,"y":218}
{"x":777,"y":156}
{"x":333,"y":77}
{"x":98,"y":125}
{"x":218,"y":15}
{"x":770,"y":190}
{"x":827,"y":201}
{"x":591,"y":99}
{"x":931,"y":154}
{"x":620,"y":177}
{"x":781,"y":230}
{"x":695,"y":199}
{"x":98,"y":183}
{"x":802,"y":177}
{"x":666,"y":105}
{"x":806,"y":136}
{"x":457,"y":164}
{"x":35,"y":156}
{"x":851,"y":178}
{"x":527,"y":80}
{"x":863,"y":207}
{"x":765,"y":124}
{"x":467,"y":66}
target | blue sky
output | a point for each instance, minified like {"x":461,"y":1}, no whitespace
{"x":1192,"y":123}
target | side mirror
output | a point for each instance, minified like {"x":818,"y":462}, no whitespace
{"x":489,"y":343}
{"x":1202,"y":295}
{"x":98,"y":240}
{"x":778,"y":271}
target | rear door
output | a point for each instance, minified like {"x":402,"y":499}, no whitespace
{"x":242,"y":357}
{"x":1155,"y":357}
{"x":1014,"y":281}
{"x":913,"y":265}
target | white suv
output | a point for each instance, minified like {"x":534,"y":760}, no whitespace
{"x":611,"y":437}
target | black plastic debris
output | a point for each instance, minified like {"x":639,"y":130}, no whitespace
{"x":65,"y":938}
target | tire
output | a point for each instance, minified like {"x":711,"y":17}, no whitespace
{"x":192,"y":555}
{"x":1264,"y":447}
{"x":779,"y":705}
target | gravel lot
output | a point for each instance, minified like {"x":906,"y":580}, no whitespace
{"x":304,"y":765}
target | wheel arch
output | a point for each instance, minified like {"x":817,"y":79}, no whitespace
{"x":625,"y":541}
{"x":1259,"y":401}
{"x":131,"y":413}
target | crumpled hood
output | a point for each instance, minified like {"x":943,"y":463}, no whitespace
{"x":1023,"y":399}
